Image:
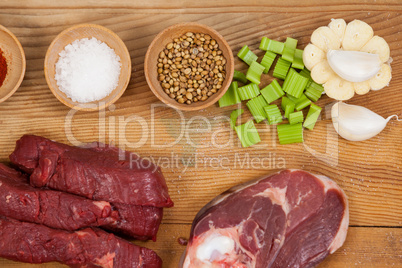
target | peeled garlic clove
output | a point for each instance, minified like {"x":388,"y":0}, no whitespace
{"x":354,"y":66}
{"x":356,"y":123}
{"x":357,"y":34}
{"x":312,"y":55}
{"x":324,"y":38}
{"x":361,"y":88}
{"x":382,"y":78}
{"x":322,"y":72}
{"x":339,"y":89}
{"x":377,"y":45}
{"x":338,"y":26}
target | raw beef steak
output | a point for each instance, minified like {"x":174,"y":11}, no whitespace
{"x":289,"y":219}
{"x":35,"y":243}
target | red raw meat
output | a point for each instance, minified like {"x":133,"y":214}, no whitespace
{"x":289,"y":219}
{"x":34,"y":243}
{"x":55,"y":209}
{"x":61,"y":210}
{"x":94,"y":172}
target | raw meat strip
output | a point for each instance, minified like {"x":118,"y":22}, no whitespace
{"x":289,"y":219}
{"x":55,"y":209}
{"x":94,"y":172}
{"x":34,"y":243}
{"x":61,"y":210}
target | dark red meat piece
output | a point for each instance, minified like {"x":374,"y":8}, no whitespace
{"x":289,"y":219}
{"x":95,"y":172}
{"x":61,"y":210}
{"x":34,"y":243}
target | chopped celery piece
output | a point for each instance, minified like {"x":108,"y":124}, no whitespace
{"x":296,"y":117}
{"x":298,"y":59}
{"x":301,"y":102}
{"x":289,"y":49}
{"x":233,"y":117}
{"x":254,"y":72}
{"x":273,"y":114}
{"x":271,"y":45}
{"x":314,"y":91}
{"x":230,"y":97}
{"x":288,"y":106}
{"x":312,"y":116}
{"x":290,"y":133}
{"x":294,"y":83}
{"x":306,"y":73}
{"x":256,"y":107}
{"x":239,"y":76}
{"x":248,"y":91}
{"x":281,"y":68}
{"x":247,"y":134}
{"x":247,"y":55}
{"x":267,"y":61}
{"x":272,"y":92}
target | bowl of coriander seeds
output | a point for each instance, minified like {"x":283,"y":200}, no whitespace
{"x":189,"y":66}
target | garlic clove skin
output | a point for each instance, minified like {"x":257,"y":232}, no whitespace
{"x":356,"y":123}
{"x":354,"y":66}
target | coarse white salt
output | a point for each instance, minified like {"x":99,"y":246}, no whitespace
{"x":87,"y":70}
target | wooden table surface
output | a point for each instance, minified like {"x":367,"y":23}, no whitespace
{"x":198,"y":152}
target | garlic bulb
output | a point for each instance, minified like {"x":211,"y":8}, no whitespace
{"x":354,"y":66}
{"x":356,"y":123}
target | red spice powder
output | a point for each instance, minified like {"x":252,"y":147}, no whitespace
{"x":3,"y":68}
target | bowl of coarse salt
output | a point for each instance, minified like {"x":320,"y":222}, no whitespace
{"x":87,"y":67}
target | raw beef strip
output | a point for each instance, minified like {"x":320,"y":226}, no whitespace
{"x":94,"y":172}
{"x":34,"y":243}
{"x":289,"y":219}
{"x":139,"y":222}
{"x":55,"y":209}
{"x":61,"y":210}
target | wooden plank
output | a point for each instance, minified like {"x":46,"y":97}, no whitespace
{"x":364,"y":247}
{"x":213,"y":6}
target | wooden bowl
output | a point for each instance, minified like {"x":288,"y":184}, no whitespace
{"x":15,"y":58}
{"x":88,"y":31}
{"x":167,"y":36}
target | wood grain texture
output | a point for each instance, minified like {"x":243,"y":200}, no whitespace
{"x":199,"y":154}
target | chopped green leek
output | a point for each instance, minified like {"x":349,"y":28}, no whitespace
{"x":288,"y":106}
{"x":314,"y":91}
{"x":290,"y":133}
{"x":248,"y":91}
{"x":312,"y":116}
{"x":298,"y":59}
{"x":254,"y":72}
{"x":301,"y":102}
{"x":273,"y":114}
{"x":289,"y":49}
{"x":247,"y":134}
{"x":294,"y":83}
{"x":271,"y":45}
{"x":267,"y":61}
{"x":281,"y":68}
{"x":296,"y":117}
{"x":239,"y":76}
{"x":231,"y":96}
{"x":247,"y":55}
{"x":233,"y":117}
{"x":272,"y":92}
{"x":256,"y":107}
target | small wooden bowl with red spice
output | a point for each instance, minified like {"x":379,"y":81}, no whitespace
{"x":12,"y":63}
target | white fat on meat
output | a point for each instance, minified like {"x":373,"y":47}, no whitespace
{"x":215,"y":247}
{"x":277,"y":197}
{"x":101,"y":204}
